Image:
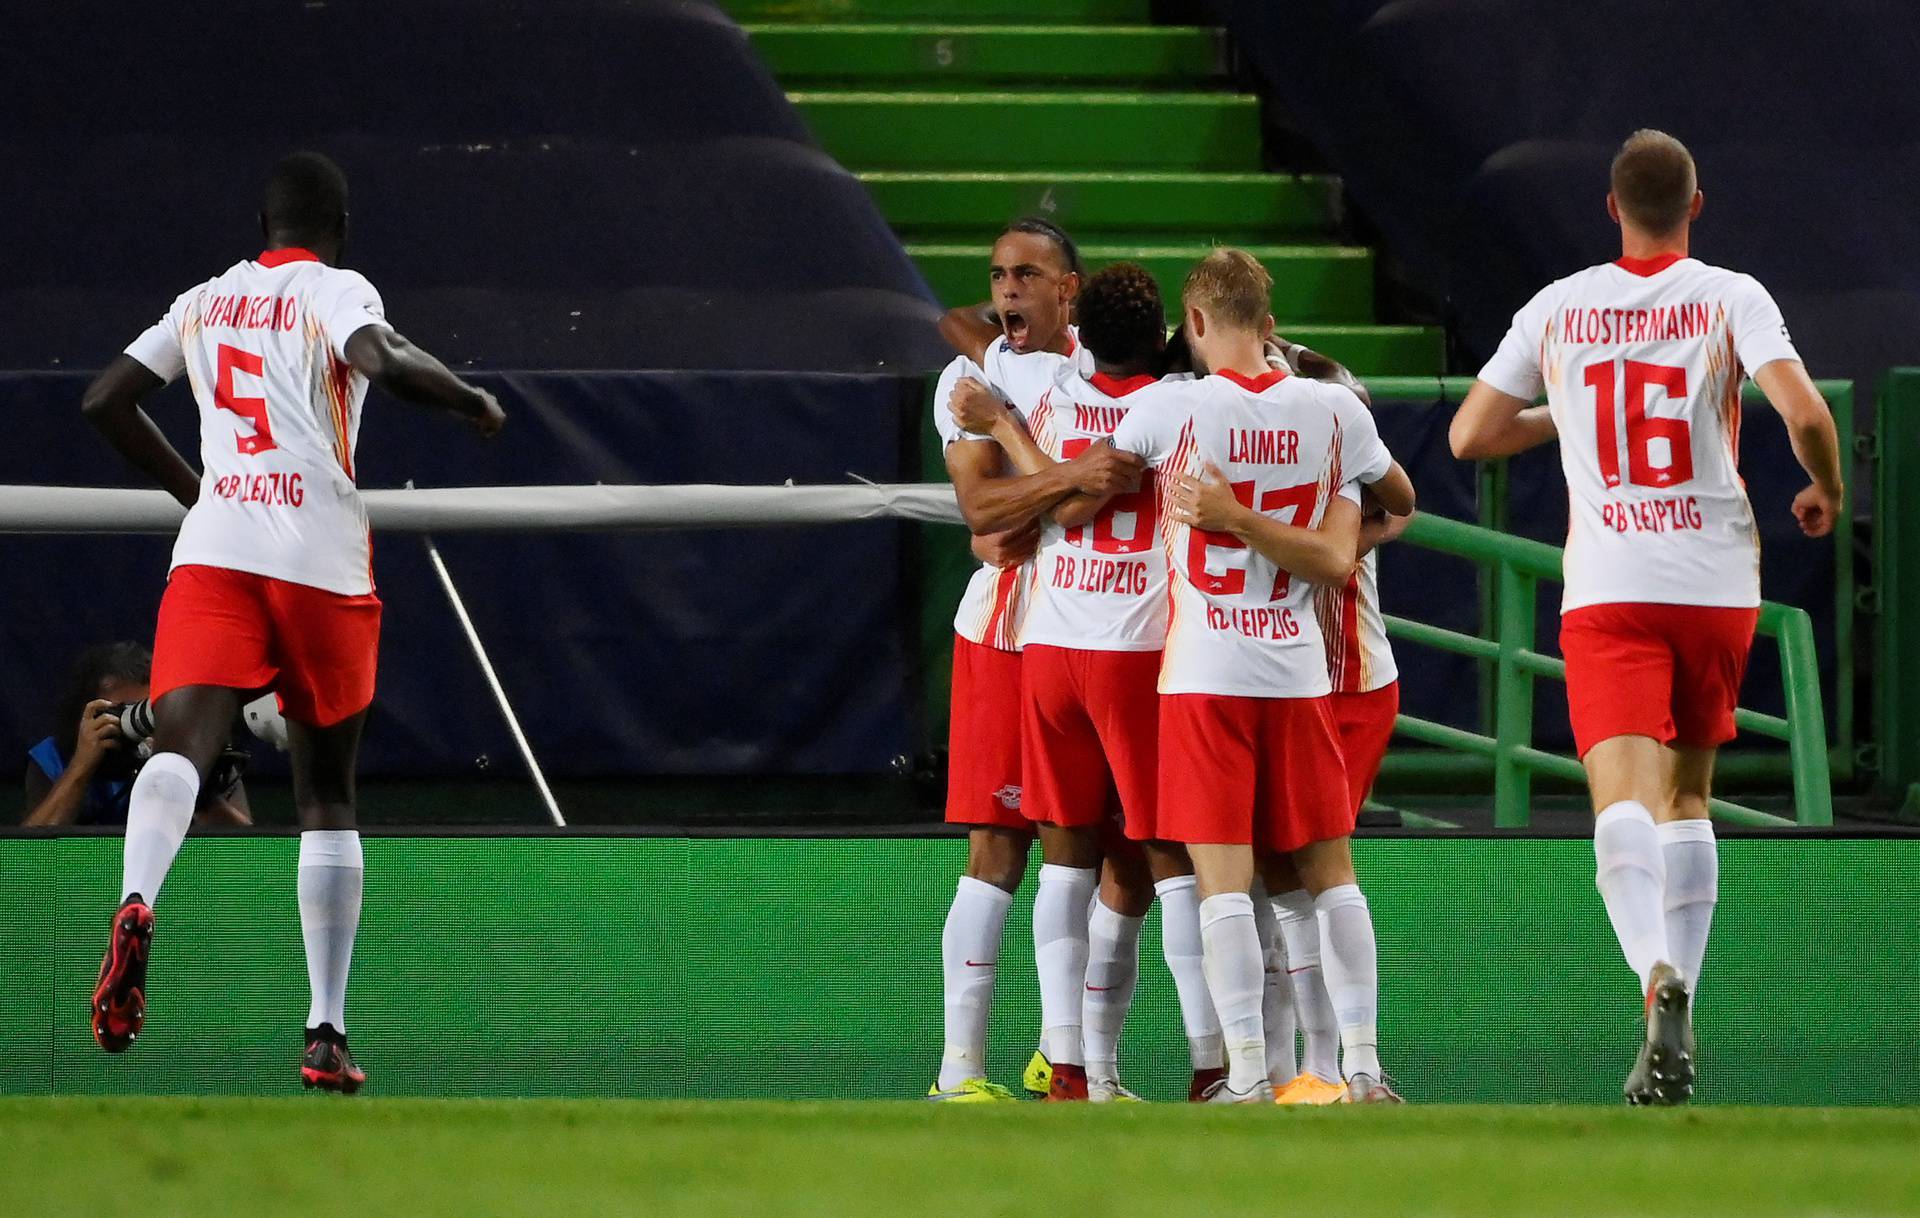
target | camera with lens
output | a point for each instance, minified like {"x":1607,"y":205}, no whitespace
{"x":260,"y":718}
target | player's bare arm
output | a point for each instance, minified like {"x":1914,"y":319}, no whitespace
{"x":1492,"y":424}
{"x":112,"y":405}
{"x":993,"y":503}
{"x":1816,"y":444}
{"x":979,"y":410}
{"x":971,"y":329}
{"x":1008,"y":549}
{"x":1321,"y":555}
{"x":414,"y":376}
{"x":1311,"y":364}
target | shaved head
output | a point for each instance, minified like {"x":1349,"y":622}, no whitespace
{"x":1654,"y":182}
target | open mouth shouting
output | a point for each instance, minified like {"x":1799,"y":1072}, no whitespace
{"x":1014,"y":324}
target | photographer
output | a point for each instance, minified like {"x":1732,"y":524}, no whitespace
{"x":83,"y":773}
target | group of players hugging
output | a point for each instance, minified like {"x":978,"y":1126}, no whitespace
{"x":1171,"y":666}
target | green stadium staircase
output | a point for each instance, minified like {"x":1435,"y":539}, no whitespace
{"x":961,"y":116}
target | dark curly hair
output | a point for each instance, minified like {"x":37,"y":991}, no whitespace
{"x":1122,"y":319}
{"x":93,"y":668}
{"x":1040,"y":226}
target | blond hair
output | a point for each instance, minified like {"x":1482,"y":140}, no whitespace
{"x":1231,"y":287}
{"x":1654,"y":182}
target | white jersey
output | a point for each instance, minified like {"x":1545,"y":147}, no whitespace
{"x":1240,"y":625}
{"x":1359,"y":657}
{"x":1642,"y":361}
{"x":1101,"y":586}
{"x":264,"y":348}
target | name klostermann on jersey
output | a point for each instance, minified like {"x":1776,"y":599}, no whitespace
{"x":1636,"y":325}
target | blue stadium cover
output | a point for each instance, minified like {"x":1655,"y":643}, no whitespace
{"x":550,"y":184}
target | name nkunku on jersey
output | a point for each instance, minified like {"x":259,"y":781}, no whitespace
{"x":1642,"y":362}
{"x":1101,"y":586}
{"x":995,"y":600}
{"x":263,"y":346}
{"x":1239,"y":625}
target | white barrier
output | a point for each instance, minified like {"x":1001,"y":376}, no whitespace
{"x":517,"y":509}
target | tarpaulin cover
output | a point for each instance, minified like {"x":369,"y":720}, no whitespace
{"x":1476,"y":135}
{"x":550,"y":184}
{"x":721,"y":651}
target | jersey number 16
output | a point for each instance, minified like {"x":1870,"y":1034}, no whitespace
{"x":1642,"y":430}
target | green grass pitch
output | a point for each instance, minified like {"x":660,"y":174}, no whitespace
{"x":316,"y":1157}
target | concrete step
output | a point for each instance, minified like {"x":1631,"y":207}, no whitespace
{"x":1032,"y":131}
{"x":939,"y":56}
{"x":1145,"y":208}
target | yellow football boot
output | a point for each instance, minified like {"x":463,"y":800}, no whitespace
{"x":1312,"y":1089}
{"x":973,"y":1091}
{"x":1038,"y":1079}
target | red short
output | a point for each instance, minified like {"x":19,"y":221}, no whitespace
{"x":1263,"y":772}
{"x":983,"y":738}
{"x":1089,"y":731}
{"x":1365,"y":722}
{"x":1671,"y":672}
{"x":318,"y":650}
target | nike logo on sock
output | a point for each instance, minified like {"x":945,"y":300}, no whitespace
{"x":981,"y":963}
{"x":1100,"y":989}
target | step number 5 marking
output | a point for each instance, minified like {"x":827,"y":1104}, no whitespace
{"x":253,"y":410}
{"x":1671,"y":439}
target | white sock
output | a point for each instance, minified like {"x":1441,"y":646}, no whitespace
{"x":1319,"y":1029}
{"x":1631,"y":874}
{"x":1353,"y":976}
{"x":1060,"y":957}
{"x":330,"y":882}
{"x":1113,"y":970}
{"x":1236,"y":980}
{"x":158,"y":813}
{"x":1276,"y":1004}
{"x":970,"y":957}
{"x":1180,"y":944}
{"x":1693,"y":888}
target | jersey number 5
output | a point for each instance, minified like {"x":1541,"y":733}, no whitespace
{"x":253,"y":410}
{"x":1297,"y":500}
{"x":1641,"y":430}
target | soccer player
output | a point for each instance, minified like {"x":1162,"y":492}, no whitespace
{"x":1090,"y":660}
{"x":1034,"y":275}
{"x":1642,"y":360}
{"x":1261,"y":471}
{"x":271,"y":585}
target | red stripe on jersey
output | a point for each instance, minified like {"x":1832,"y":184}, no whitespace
{"x":1255,"y":384}
{"x":1115,"y":387}
{"x":1647,"y":268}
{"x":280,"y":257}
{"x":1352,"y":663}
{"x":1004,"y":585}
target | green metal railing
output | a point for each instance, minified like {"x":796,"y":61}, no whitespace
{"x":1768,"y":768}
{"x":1518,"y":566}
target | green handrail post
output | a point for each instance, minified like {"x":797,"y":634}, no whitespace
{"x":1806,"y":718}
{"x":1513,"y":701}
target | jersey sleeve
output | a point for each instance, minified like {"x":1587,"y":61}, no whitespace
{"x":1151,"y":429}
{"x":1759,"y":332}
{"x":951,"y":375}
{"x":158,"y":346}
{"x":344,"y":305}
{"x":1515,"y":368}
{"x":1363,"y":454}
